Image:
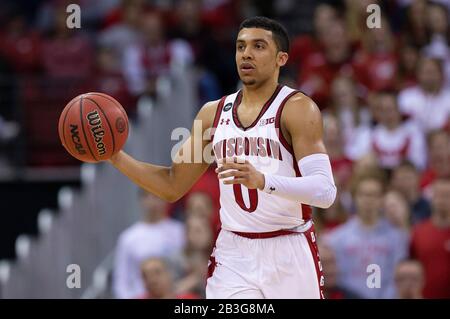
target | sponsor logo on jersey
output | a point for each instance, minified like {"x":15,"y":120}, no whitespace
{"x":227,"y":107}
{"x":267,"y":121}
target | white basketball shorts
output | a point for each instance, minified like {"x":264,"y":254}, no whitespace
{"x":285,"y":266}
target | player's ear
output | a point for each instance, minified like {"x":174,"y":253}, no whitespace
{"x":282,"y":58}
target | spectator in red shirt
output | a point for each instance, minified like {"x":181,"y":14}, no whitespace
{"x":438,"y":160}
{"x":203,"y":199}
{"x":409,"y":279}
{"x":376,"y":63}
{"x":66,"y":52}
{"x":20,"y":46}
{"x":158,"y":279}
{"x":322,"y":67}
{"x":430,"y":243}
{"x":304,"y":45}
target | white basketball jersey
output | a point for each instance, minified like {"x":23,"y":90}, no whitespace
{"x":263,"y":145}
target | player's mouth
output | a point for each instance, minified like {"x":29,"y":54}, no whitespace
{"x":246,"y":67}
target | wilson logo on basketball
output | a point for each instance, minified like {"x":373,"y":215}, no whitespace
{"x":97,"y":131}
{"x":120,"y":125}
{"x":76,"y":139}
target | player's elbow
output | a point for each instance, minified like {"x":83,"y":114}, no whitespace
{"x":174,"y":194}
{"x":169,"y":196}
{"x":326,"y":197}
{"x":172,"y":197}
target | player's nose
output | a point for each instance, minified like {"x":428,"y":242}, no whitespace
{"x":247,"y":54}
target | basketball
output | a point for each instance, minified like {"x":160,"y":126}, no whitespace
{"x":93,"y":127}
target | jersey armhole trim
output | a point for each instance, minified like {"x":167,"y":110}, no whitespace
{"x":217,"y":116}
{"x":278,"y":123}
{"x":306,"y":210}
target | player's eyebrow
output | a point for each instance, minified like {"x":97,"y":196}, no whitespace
{"x":252,"y":40}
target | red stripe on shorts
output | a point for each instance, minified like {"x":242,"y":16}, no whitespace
{"x":212,"y":259}
{"x":311,"y":238}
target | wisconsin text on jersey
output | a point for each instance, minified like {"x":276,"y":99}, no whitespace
{"x":248,"y":146}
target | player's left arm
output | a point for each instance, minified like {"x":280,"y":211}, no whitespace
{"x":301,"y":124}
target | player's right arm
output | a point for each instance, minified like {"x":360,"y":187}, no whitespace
{"x":171,"y":183}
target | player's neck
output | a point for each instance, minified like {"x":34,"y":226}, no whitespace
{"x":256,"y":96}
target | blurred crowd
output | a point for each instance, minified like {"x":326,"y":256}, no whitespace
{"x":385,"y":99}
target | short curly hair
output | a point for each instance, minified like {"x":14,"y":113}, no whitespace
{"x":279,"y":33}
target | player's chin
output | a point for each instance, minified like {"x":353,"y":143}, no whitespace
{"x":248,"y":80}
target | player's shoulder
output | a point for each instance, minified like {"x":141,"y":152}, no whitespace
{"x":208,"y":112}
{"x":300,"y":110}
{"x":211,"y":106}
{"x":300,"y":102}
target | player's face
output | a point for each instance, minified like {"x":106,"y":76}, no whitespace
{"x":257,"y":56}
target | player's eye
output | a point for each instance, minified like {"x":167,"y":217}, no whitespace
{"x":240,"y":47}
{"x":259,"y":46}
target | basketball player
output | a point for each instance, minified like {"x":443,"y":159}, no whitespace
{"x":266,"y":247}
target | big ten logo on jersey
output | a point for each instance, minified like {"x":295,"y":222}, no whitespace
{"x":267,"y":121}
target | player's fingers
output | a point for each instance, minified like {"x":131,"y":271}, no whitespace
{"x":235,"y":181}
{"x":227,"y":166}
{"x":235,"y":160}
{"x":232,"y":160}
{"x":232,"y":173}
